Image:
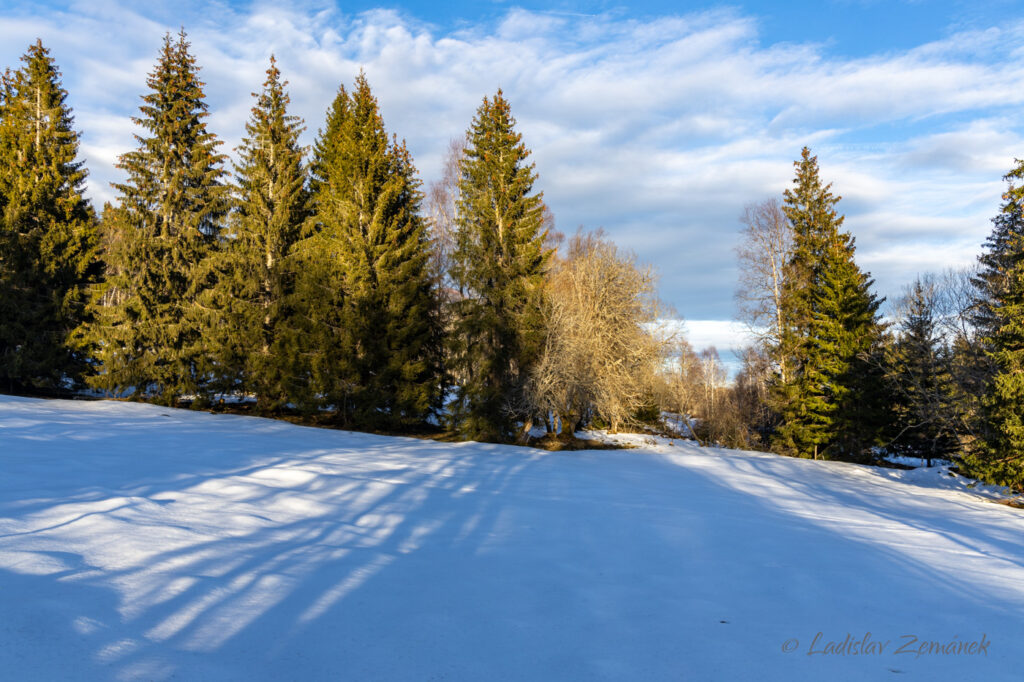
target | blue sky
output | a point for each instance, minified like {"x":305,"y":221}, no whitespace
{"x":848,"y":27}
{"x":656,"y":120}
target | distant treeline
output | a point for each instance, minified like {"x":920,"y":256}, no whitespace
{"x":325,"y":282}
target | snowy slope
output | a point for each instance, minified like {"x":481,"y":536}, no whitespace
{"x":141,"y":543}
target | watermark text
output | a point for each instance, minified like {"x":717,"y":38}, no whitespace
{"x":869,"y":644}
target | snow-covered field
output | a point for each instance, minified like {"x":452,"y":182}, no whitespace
{"x":143,"y":543}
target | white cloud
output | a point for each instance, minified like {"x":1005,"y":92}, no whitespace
{"x":660,"y":130}
{"x":723,"y":335}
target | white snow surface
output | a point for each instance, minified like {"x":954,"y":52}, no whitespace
{"x":143,"y":543}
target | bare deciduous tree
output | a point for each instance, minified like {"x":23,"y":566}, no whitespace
{"x":441,"y":204}
{"x":682,"y":382}
{"x":762,"y":253}
{"x":955,"y":300}
{"x":714,"y":377}
{"x":750,"y":390}
{"x":697,"y":388}
{"x":598,"y":356}
{"x":720,"y":420}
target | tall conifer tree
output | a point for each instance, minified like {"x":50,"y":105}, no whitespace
{"x":1000,"y":320}
{"x":320,"y":358}
{"x":48,"y":234}
{"x":498,"y":266}
{"x":167,"y":220}
{"x":829,"y":324}
{"x":851,"y":330}
{"x":249,"y":331}
{"x":377,"y":358}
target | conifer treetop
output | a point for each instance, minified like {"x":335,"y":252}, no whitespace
{"x":811,"y":204}
{"x":177,"y":166}
{"x":39,"y":138}
{"x":270,"y":125}
{"x":500,"y":217}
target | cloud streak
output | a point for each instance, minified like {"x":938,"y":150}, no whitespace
{"x":659,"y":130}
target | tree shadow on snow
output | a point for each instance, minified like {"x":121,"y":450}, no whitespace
{"x":301,"y":554}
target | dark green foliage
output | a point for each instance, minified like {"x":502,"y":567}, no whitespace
{"x":1000,"y":320}
{"x":800,"y":400}
{"x":920,"y":381}
{"x":498,"y":266}
{"x":167,"y":221}
{"x":649,"y":412}
{"x":319,"y":353}
{"x":249,"y":330}
{"x":365,"y":293}
{"x":999,"y":262}
{"x":828,"y":405}
{"x":851,"y":343}
{"x":48,"y":234}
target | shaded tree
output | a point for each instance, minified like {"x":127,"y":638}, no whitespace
{"x":919,"y":379}
{"x":751,"y":394}
{"x":249,"y":326}
{"x":48,"y":231}
{"x":999,"y":316}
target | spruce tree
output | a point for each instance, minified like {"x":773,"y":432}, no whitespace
{"x":249,"y":325}
{"x":498,"y":266}
{"x":848,"y":316}
{"x":1000,"y":319}
{"x":918,"y":366}
{"x":367,"y":290}
{"x":48,"y":234}
{"x":166,"y":222}
{"x":804,"y":409}
{"x":319,"y":353}
{"x":826,"y":404}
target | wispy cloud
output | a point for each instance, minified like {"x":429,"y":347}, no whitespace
{"x":660,"y":130}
